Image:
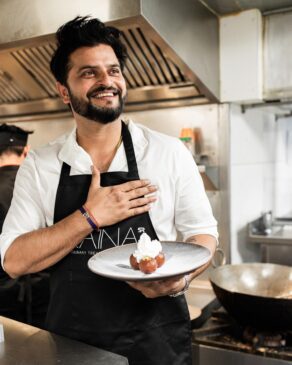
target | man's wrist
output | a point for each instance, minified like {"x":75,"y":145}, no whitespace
{"x":187,"y":279}
{"x":89,"y":217}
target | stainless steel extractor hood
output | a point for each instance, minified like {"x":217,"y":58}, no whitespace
{"x":172,"y":44}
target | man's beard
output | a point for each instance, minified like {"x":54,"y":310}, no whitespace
{"x":98,"y":114}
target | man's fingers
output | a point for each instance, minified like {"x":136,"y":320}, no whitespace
{"x":135,"y":193}
{"x":130,"y":185}
{"x":158,"y":288}
{"x":142,"y":201}
{"x":172,"y":280}
{"x":133,"y":284}
{"x":95,"y":180}
{"x":138,"y":210}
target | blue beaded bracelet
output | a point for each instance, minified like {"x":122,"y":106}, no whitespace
{"x":87,"y":216}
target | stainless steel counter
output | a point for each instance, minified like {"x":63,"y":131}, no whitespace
{"x":275,"y":243}
{"x":27,"y":345}
{"x":279,"y":235}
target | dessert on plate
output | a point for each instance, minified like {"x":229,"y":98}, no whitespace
{"x":148,"y":256}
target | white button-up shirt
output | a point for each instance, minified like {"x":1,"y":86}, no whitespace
{"x":182,"y":204}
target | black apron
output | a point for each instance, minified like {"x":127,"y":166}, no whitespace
{"x":7,"y":179}
{"x":109,"y":313}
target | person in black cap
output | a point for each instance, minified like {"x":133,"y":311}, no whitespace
{"x":24,"y":299}
{"x":13,"y":150}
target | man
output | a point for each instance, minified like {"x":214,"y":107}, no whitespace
{"x":91,"y":190}
{"x":24,"y":299}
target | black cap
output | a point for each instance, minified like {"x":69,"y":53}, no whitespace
{"x":10,"y":136}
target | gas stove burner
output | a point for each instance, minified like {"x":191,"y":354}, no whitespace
{"x":264,"y":339}
{"x":220,"y":333}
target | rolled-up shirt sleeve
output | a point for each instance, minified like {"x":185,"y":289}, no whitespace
{"x":26,"y":212}
{"x":193,"y":212}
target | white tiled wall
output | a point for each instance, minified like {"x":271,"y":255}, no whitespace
{"x":252,"y":169}
{"x":283,"y":168}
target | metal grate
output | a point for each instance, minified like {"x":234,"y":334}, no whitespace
{"x":36,"y":60}
{"x":147,"y":65}
{"x":152,"y":75}
{"x":10,"y":91}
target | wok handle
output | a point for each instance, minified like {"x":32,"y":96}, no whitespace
{"x":219,"y":258}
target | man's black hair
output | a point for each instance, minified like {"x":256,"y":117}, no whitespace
{"x":14,"y":150}
{"x":83,"y":32}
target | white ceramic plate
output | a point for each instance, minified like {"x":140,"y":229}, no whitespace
{"x":180,"y":258}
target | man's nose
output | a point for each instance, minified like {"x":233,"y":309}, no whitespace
{"x":104,"y":79}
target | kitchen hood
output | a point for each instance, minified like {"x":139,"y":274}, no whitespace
{"x":173,"y":49}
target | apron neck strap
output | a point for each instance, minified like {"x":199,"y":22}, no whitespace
{"x":129,"y":150}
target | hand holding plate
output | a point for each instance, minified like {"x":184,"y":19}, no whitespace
{"x":159,"y":288}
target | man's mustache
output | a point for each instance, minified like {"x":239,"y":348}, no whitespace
{"x":103,"y":89}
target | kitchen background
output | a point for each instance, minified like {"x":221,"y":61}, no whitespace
{"x":242,"y":84}
{"x":222,"y":71}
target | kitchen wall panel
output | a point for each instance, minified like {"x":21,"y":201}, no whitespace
{"x":253,"y":178}
{"x":283,"y":168}
{"x":253,"y":136}
{"x":247,"y":201}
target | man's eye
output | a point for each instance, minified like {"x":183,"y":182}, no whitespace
{"x":88,"y":73}
{"x":115,"y":71}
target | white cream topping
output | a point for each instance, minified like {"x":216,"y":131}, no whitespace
{"x":147,"y":248}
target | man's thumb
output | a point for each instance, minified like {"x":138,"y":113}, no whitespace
{"x":95,"y":180}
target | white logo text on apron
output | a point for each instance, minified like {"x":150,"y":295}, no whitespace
{"x":96,"y":243}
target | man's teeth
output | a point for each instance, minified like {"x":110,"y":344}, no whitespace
{"x":102,"y":95}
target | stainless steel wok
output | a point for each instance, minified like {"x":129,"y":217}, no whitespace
{"x":259,"y":295}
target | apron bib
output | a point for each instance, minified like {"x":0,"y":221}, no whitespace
{"x":108,"y":313}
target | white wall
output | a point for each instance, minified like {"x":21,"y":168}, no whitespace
{"x":283,"y":168}
{"x":252,"y":175}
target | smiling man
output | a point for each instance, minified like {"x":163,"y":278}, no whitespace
{"x":102,"y":102}
{"x":97,"y":188}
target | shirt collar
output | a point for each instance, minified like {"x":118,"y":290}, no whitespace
{"x":80,"y":161}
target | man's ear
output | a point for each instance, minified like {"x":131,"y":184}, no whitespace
{"x":63,"y":92}
{"x":25,"y":150}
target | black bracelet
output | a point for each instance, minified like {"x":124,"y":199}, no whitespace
{"x":87,"y":216}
